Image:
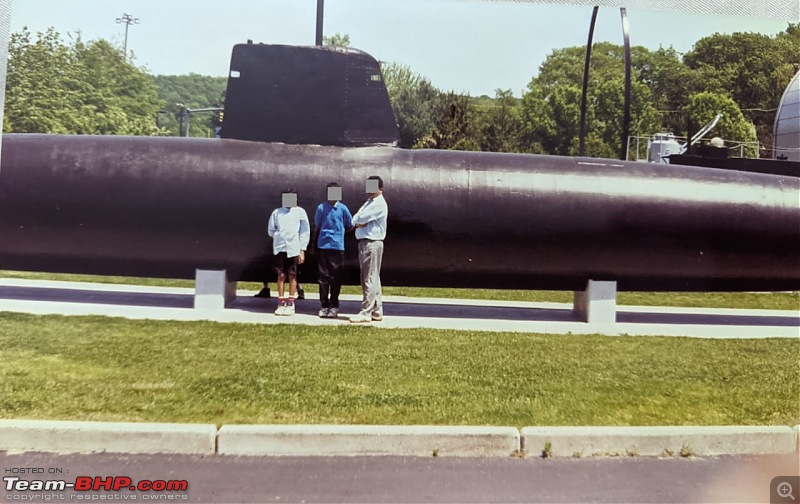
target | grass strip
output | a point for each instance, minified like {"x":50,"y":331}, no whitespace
{"x":742,"y":300}
{"x":111,"y":369}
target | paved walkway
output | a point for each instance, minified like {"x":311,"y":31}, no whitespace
{"x":417,"y":479}
{"x":46,"y":297}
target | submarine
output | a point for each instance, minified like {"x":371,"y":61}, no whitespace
{"x":301,"y":117}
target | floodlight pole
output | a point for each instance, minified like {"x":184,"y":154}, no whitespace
{"x":127,"y":20}
{"x":320,"y":10}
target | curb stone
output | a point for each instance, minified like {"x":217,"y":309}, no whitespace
{"x":404,"y":440}
{"x":660,"y":441}
{"x":71,"y":437}
{"x":327,"y":440}
{"x":797,"y":433}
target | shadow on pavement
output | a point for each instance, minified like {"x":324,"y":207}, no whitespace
{"x":311,"y":307}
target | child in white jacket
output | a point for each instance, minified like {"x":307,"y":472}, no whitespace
{"x":290,"y":233}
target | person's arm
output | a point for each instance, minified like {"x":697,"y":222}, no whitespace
{"x":348,"y":220}
{"x":367,"y":214}
{"x":317,"y":225}
{"x":305,"y":231}
{"x":272,"y":228}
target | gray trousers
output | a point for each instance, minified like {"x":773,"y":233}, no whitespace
{"x":370,"y":257}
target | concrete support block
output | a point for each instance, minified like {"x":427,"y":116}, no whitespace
{"x":86,"y":437}
{"x":597,"y":304}
{"x":212,"y":290}
{"x":331,"y":440}
{"x":659,"y":441}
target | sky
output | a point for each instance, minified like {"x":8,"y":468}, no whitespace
{"x":469,"y":46}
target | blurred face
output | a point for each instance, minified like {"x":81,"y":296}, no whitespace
{"x":289,"y":200}
{"x":334,"y":194}
{"x":372,"y":187}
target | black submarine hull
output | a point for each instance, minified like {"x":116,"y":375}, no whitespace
{"x":162,"y":207}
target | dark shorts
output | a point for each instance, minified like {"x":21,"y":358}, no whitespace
{"x":285,"y":265}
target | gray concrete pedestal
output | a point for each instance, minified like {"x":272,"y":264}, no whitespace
{"x":212,"y":290}
{"x":597,"y":304}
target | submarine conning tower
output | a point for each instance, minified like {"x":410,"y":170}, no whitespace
{"x":307,"y":95}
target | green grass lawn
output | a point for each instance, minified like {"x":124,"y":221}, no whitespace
{"x":770,"y":300}
{"x":110,"y":369}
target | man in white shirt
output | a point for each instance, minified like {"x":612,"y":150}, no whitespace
{"x":370,"y":224}
{"x":290,"y":232}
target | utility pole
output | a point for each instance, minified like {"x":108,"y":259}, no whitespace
{"x":128,"y":20}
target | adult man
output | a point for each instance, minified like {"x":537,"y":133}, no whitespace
{"x":370,"y":224}
{"x":290,"y":232}
{"x":331,"y":220}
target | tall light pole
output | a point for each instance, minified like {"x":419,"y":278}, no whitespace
{"x":128,"y":20}
{"x":320,"y":14}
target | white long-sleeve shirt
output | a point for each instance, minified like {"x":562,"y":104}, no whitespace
{"x":289,"y":230}
{"x":373,"y":214}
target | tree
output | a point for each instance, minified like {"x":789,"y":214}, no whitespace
{"x":671,"y":83}
{"x":454,"y":123}
{"x":84,"y":88}
{"x":608,"y":102}
{"x":753,"y":69}
{"x":732,"y":127}
{"x":124,"y":98}
{"x":742,"y":64}
{"x":43,"y":86}
{"x":336,"y":40}
{"x":551,"y":106}
{"x":412,"y":97}
{"x":501,"y":124}
{"x":552,"y":119}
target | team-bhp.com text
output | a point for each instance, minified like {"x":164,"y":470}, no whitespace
{"x":91,"y":484}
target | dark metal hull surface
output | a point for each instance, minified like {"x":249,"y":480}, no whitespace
{"x":162,"y":207}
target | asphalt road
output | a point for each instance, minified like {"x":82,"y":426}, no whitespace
{"x":406,"y":479}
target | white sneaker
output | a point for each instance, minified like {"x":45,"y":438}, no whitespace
{"x":281,"y":310}
{"x":333,"y":313}
{"x":377,"y":317}
{"x":360,"y":319}
{"x":323,"y":312}
{"x":289,"y":310}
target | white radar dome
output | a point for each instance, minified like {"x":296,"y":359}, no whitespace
{"x":787,"y":123}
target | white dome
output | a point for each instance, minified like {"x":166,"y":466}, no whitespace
{"x":787,"y":122}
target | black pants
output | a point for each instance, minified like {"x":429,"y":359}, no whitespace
{"x":330,"y":276}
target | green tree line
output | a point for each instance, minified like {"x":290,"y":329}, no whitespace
{"x":82,"y":87}
{"x":89,"y":88}
{"x":741,"y":76}
{"x":76,"y":87}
